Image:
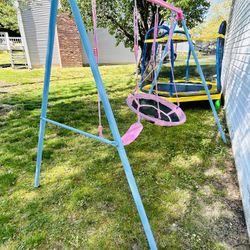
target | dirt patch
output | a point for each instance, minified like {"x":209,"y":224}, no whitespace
{"x":225,"y":214}
{"x":4,"y":108}
{"x":5,"y":89}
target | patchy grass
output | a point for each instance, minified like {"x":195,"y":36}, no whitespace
{"x":183,"y":173}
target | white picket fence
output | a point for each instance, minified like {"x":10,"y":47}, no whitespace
{"x":3,"y":41}
{"x":15,"y":47}
{"x":10,"y":43}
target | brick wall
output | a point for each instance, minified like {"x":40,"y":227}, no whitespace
{"x":69,"y":41}
{"x":236,"y":88}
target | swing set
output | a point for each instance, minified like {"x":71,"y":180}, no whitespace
{"x":146,"y":105}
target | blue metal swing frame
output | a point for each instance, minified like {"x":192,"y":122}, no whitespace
{"x":106,"y":105}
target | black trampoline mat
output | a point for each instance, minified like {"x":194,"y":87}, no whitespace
{"x":150,"y":108}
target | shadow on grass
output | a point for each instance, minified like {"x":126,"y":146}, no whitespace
{"x":84,"y":200}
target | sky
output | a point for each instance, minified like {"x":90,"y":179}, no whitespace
{"x":216,"y":1}
{"x":213,"y":2}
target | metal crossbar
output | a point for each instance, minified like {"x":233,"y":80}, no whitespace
{"x":98,"y":138}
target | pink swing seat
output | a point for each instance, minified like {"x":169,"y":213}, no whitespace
{"x":156,"y":109}
{"x":132,"y":133}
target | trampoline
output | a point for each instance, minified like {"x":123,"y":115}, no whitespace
{"x":178,"y":37}
{"x":188,"y":90}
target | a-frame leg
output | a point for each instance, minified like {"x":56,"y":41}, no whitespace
{"x":106,"y":105}
{"x":51,"y":38}
{"x":204,"y":81}
{"x":112,"y":123}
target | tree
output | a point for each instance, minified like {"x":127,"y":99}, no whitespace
{"x":117,"y":16}
{"x":219,"y":12}
{"x":8,"y":18}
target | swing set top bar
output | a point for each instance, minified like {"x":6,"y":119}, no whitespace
{"x":178,"y":11}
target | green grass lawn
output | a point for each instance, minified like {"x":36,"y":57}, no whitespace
{"x":183,"y":173}
{"x":4,"y":58}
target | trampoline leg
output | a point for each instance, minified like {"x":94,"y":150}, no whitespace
{"x":204,"y":82}
{"x":187,"y":64}
{"x":51,"y":38}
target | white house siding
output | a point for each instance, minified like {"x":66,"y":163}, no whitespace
{"x":109,"y":53}
{"x":236,"y":87}
{"x":35,"y":18}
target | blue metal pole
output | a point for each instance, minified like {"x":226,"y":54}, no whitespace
{"x":172,"y":61}
{"x":51,"y":38}
{"x":165,"y":51}
{"x":171,"y":84}
{"x":204,"y":82}
{"x":187,"y":65}
{"x":219,"y":55}
{"x":112,"y":124}
{"x":98,"y":138}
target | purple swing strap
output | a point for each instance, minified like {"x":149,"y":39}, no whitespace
{"x":155,"y":35}
{"x":172,"y":27}
{"x":136,"y":128}
{"x":136,"y":52}
{"x":154,"y":52}
{"x":96,"y":54}
{"x":136,"y":44}
{"x":94,"y":17}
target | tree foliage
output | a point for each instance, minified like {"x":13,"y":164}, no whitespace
{"x":8,"y":18}
{"x":219,"y":12}
{"x":117,"y":16}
